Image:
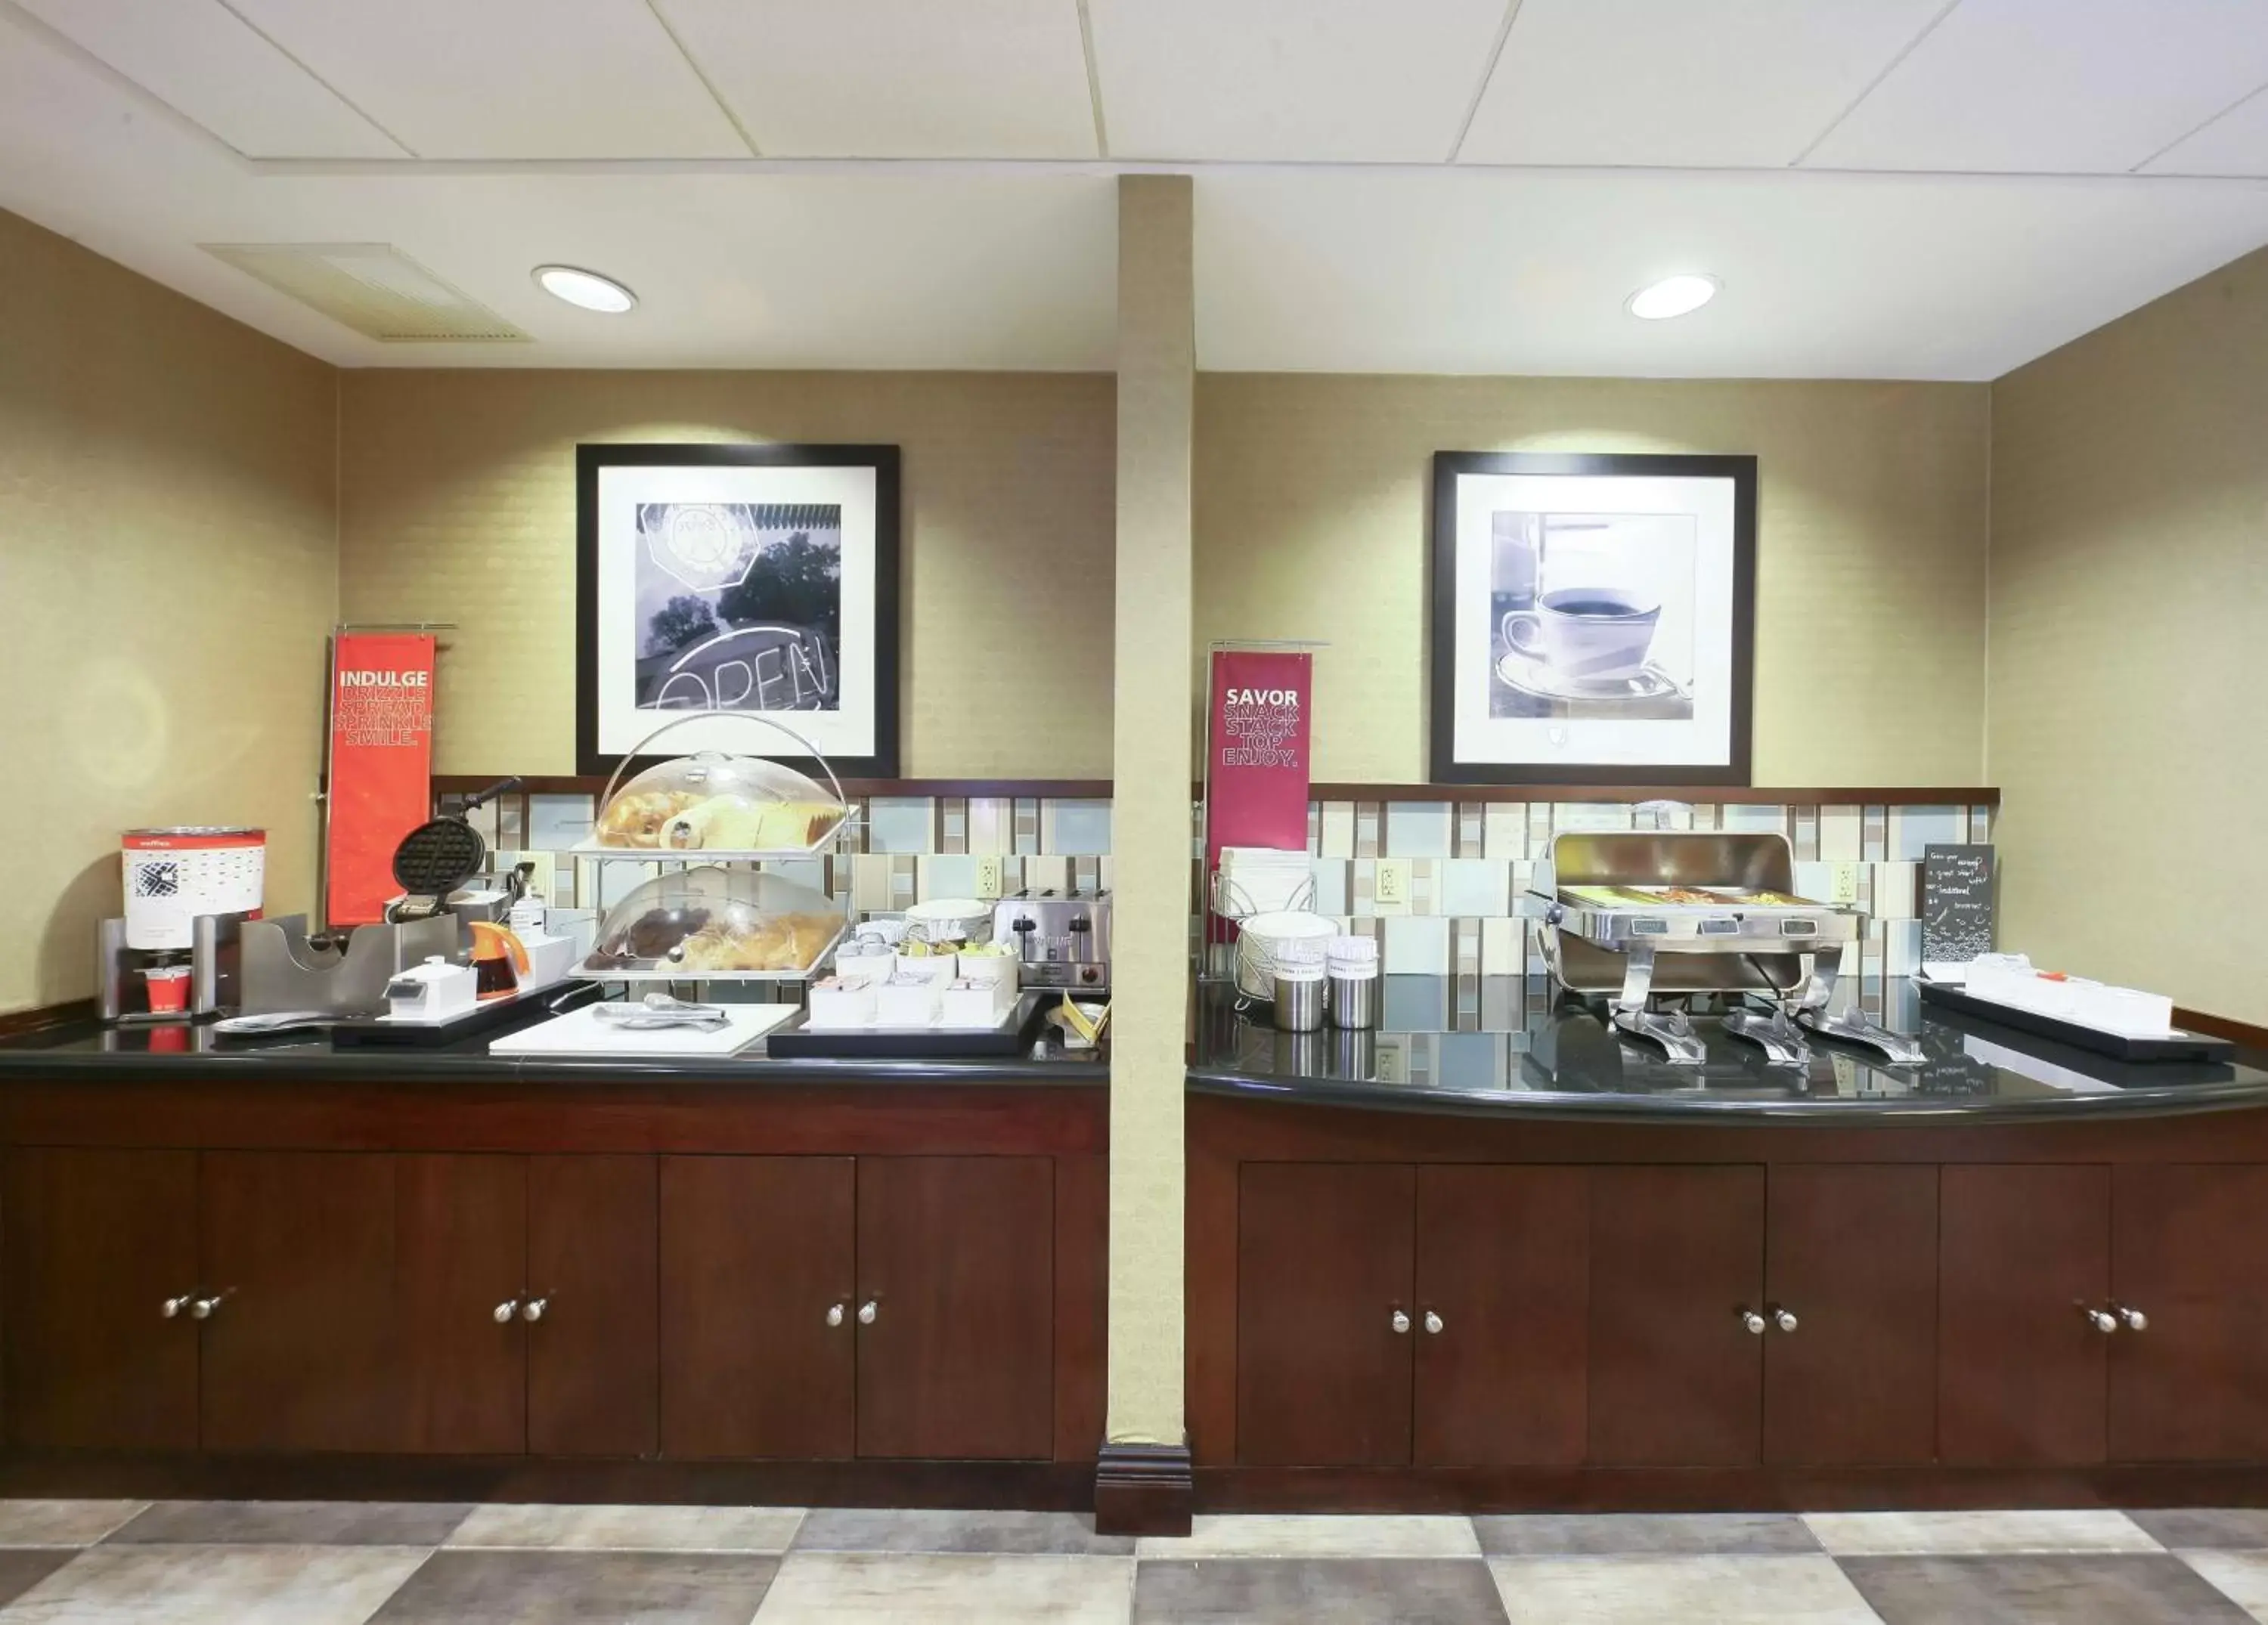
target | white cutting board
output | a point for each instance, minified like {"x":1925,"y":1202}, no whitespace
{"x":581,"y":1033}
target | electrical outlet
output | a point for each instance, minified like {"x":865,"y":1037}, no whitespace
{"x":988,"y":879}
{"x":1389,"y":887}
{"x":1843,"y":887}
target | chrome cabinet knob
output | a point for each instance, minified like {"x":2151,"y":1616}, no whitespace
{"x":533,"y":1308}
{"x":1401,"y":1322}
{"x":1783,"y":1319}
{"x":1752,"y":1322}
{"x":2102,"y":1320}
{"x":172,"y":1306}
{"x":2136,"y":1320}
{"x":1433,"y":1323}
{"x":503,"y":1312}
{"x":867,"y":1311}
{"x":201,"y":1308}
{"x":834,"y":1314}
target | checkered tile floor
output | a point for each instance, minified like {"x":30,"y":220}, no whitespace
{"x":254,"y":1563}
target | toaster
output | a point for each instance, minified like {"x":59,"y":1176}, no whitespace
{"x":1062,"y":938}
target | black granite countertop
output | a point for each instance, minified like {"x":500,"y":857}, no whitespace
{"x":88,"y":1052}
{"x":1491,"y":1045}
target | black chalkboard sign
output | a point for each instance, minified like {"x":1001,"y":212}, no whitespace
{"x":1956,"y":903}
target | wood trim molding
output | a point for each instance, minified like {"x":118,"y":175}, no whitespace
{"x":2241,"y":1032}
{"x":1700,"y":795}
{"x":15,"y":1023}
{"x":1143,"y":1489}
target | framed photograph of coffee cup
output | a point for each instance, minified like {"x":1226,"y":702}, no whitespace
{"x":738,"y":579}
{"x":1593,"y":618}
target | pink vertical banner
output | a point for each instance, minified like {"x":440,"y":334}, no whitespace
{"x":1257,"y":748}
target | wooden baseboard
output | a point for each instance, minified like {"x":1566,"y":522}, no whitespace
{"x":15,"y":1023}
{"x":2241,"y":1032}
{"x":1143,"y":1489}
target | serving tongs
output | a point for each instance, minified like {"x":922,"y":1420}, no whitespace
{"x":659,"y":1011}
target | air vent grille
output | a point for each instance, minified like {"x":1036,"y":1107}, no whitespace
{"x":372,"y":287}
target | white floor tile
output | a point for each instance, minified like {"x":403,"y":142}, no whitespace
{"x":1873,"y":1535}
{"x":204,"y":1584}
{"x":868,"y":1588}
{"x":1679,"y":1590}
{"x":1288,"y":1536}
{"x":2240,"y":1577}
{"x":631,"y":1528}
{"x":62,"y":1523}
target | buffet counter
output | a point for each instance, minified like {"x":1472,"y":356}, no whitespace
{"x":1497,"y":1256}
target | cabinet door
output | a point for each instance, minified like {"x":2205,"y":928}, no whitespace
{"x":957,"y":1255}
{"x":299,"y":1356}
{"x":1676,"y":1254}
{"x":1323,"y":1264}
{"x":754,"y":1250}
{"x":593,"y":1377}
{"x":1504,"y":1271}
{"x":1851,"y":1251}
{"x":96,"y":1242}
{"x":2023,"y":1253}
{"x":2193,"y":1386}
{"x":460,"y":1241}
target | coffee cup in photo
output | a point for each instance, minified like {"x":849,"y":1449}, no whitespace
{"x":1595,"y":633}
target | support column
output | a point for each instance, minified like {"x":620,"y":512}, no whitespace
{"x":1142,"y":1482}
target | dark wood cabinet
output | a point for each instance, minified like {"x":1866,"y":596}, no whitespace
{"x":461,"y":1251}
{"x":2023,"y":1262}
{"x":1503,"y":1308}
{"x":759,"y":1334}
{"x":98,"y":1243}
{"x":956,"y":1259}
{"x":298,"y":1354}
{"x":593,"y":1268}
{"x":1851,"y":1255}
{"x":2189,"y":1381}
{"x":1676,"y":1258}
{"x":1324,"y":1268}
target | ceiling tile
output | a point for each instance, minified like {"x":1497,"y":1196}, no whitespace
{"x":896,"y":78}
{"x":2092,"y":86}
{"x":1701,"y":83}
{"x":1290,"y":80}
{"x":507,"y":78}
{"x":2235,"y":143}
{"x":202,"y":61}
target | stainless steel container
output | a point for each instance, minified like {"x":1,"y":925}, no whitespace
{"x":1354,"y":1000}
{"x":1299,"y":1003}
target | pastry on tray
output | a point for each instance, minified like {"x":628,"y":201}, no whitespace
{"x":638,"y":819}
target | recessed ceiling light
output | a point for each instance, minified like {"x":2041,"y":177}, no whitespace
{"x":1672,"y":296}
{"x":587,"y":289}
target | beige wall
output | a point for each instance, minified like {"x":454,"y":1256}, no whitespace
{"x":168,"y":565}
{"x":2130,"y":645}
{"x":1311,"y":522}
{"x":457,"y":503}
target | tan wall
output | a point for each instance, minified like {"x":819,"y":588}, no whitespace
{"x":168,"y":566}
{"x":457,"y":503}
{"x":1311,"y":522}
{"x":2130,"y":645}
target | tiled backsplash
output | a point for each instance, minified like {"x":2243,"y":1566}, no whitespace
{"x":899,"y":848}
{"x":1468,"y":860}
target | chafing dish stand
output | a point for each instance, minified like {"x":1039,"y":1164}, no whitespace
{"x":1750,"y":938}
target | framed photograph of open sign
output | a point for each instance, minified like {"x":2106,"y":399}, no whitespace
{"x":1593,"y":618}
{"x":737,"y":579}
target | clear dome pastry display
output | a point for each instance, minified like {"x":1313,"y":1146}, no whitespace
{"x":696,"y":924}
{"x":711,"y":802}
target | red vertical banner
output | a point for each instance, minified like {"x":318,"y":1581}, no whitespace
{"x":1256,"y":744}
{"x":381,"y":782}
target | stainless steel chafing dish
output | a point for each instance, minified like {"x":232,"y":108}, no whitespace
{"x":1637,"y":915}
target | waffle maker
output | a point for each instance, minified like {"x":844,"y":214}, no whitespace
{"x":437,"y":857}
{"x":1638,"y":917}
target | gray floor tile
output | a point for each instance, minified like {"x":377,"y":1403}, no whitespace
{"x":205,"y":1584}
{"x":1615,"y":1534}
{"x":1328,"y":1591}
{"x":888,"y":1588}
{"x":860,"y":1529}
{"x":1316,"y":1535}
{"x":61,"y":1523}
{"x":538,"y":1527}
{"x":22,"y":1569}
{"x":293,"y":1523}
{"x":2241,"y":1577}
{"x":1950,"y":1534}
{"x":581,"y":1588}
{"x":2245,"y":1527}
{"x":2140,"y":1589}
{"x":1772,"y":1588}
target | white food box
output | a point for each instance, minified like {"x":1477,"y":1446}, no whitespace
{"x":986,"y":970}
{"x":967,"y":1005}
{"x":836,"y":1004}
{"x":902,"y":1005}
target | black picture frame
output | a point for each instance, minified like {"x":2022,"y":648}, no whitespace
{"x":1442,"y":766}
{"x":590,"y":459}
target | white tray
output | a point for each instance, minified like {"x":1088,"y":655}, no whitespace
{"x":581,"y":1033}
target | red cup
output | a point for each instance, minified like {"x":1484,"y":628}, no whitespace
{"x":168,"y":988}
